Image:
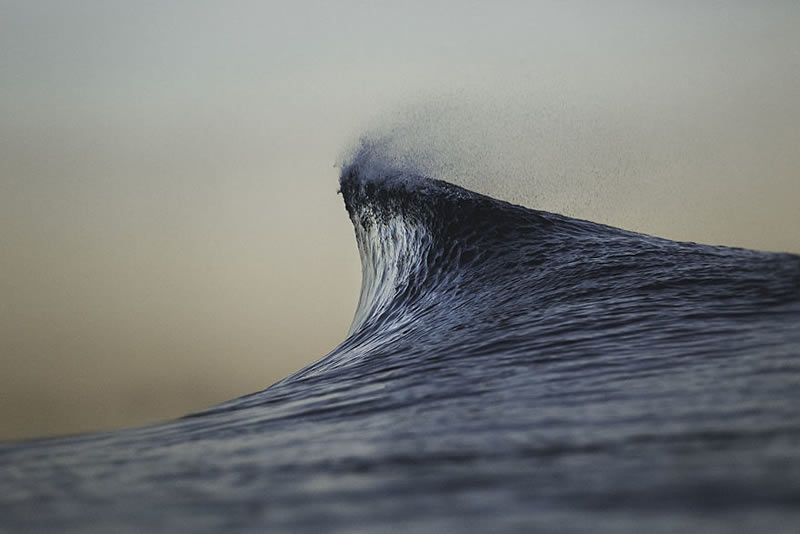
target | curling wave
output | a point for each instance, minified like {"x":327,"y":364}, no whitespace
{"x":450,"y":271}
{"x":506,"y":370}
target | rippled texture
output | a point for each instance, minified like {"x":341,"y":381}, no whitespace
{"x":507,"y":370}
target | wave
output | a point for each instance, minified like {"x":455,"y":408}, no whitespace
{"x":506,"y":369}
{"x":450,"y":269}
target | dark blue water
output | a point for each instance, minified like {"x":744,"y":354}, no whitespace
{"x":508,"y":370}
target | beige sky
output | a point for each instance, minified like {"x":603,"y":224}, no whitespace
{"x":169,"y":227}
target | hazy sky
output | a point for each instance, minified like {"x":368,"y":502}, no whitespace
{"x":170,"y":231}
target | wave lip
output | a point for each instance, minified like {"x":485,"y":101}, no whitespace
{"x":419,"y":236}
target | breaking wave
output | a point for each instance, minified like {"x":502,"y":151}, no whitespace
{"x":506,"y":369}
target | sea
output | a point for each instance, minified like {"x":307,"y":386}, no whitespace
{"x":507,"y":370}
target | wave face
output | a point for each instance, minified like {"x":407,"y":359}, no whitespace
{"x":506,"y":370}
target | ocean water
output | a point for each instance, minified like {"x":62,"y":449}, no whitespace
{"x":507,"y":370}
